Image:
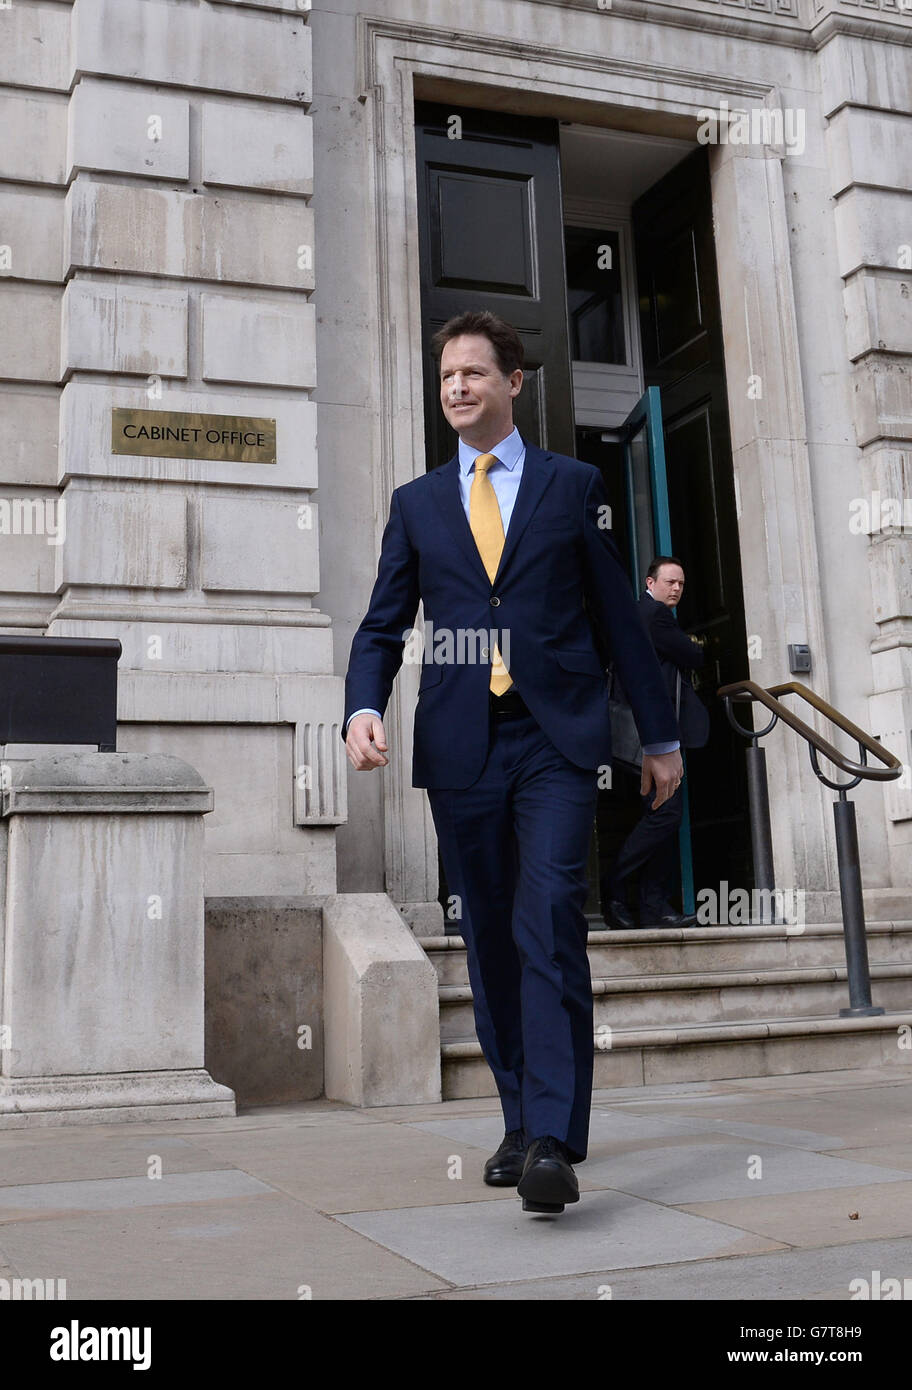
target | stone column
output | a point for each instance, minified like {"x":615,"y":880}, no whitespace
{"x":779,"y":550}
{"x":101,"y":942}
{"x":867,"y":98}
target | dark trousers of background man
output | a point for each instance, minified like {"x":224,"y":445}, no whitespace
{"x":514,"y":848}
{"x":651,"y":851}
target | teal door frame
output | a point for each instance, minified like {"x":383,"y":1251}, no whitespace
{"x":646,"y":419}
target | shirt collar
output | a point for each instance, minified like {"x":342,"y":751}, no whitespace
{"x":509,"y":451}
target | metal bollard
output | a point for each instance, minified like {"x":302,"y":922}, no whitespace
{"x":761,"y":831}
{"x":853,"y":918}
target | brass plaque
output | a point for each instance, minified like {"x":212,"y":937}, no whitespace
{"x":176,"y":435}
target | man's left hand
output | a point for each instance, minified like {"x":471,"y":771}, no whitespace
{"x":663,"y":770}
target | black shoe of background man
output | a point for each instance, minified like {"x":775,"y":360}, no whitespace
{"x":504,"y":1168}
{"x":548,"y":1182}
{"x":673,"y":919}
{"x":618,"y":916}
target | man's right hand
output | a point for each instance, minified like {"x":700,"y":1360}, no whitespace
{"x":665,"y":772}
{"x":365,"y":743}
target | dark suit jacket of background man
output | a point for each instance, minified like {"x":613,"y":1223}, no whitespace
{"x":676,"y":652}
{"x":557,"y":561}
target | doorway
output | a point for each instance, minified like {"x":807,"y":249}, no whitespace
{"x":610,"y":279}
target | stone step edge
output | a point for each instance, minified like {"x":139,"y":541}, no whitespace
{"x":713,"y":979}
{"x":688,"y":1034}
{"x":672,"y":935}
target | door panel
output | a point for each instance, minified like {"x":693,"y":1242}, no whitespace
{"x":682,"y":353}
{"x":491,"y":237}
{"x":463,"y":207}
{"x":649,"y":514}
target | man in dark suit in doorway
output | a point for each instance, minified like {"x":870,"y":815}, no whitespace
{"x":651,"y":848}
{"x":510,"y":540}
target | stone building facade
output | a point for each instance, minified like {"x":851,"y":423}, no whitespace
{"x":210,"y":206}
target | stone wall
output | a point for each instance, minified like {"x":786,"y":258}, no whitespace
{"x":157,"y":247}
{"x":161,"y":256}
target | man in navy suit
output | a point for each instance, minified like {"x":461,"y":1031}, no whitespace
{"x":510,"y":541}
{"x":651,"y":848}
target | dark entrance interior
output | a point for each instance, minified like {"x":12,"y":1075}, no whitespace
{"x":603,"y":314}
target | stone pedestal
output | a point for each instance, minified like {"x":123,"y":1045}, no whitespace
{"x":381,"y":1014}
{"x":101,"y":941}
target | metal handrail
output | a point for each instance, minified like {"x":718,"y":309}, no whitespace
{"x":743,"y":691}
{"x":850,"y":891}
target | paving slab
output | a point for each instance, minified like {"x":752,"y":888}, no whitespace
{"x":615,"y":1129}
{"x":491,"y":1242}
{"x":896,"y":1155}
{"x":882,"y":1118}
{"x":839,"y":1080}
{"x":51,"y":1199}
{"x":250,"y":1248}
{"x":796,"y":1084}
{"x":304,"y":1113}
{"x":660,"y":1090}
{"x":76,"y":1154}
{"x":884,"y":1210}
{"x":768,"y":1133}
{"x":785,"y":1275}
{"x":710,"y":1172}
{"x":381,"y":1166}
{"x":472,"y":1105}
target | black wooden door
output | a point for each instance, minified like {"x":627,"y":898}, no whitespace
{"x":682,"y":353}
{"x":491,"y":237}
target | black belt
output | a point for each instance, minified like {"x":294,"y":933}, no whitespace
{"x":508,"y":706}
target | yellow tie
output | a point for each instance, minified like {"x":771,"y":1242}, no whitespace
{"x":487,"y":528}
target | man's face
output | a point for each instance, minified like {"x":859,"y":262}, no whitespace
{"x":668,"y":585}
{"x":477,"y":398}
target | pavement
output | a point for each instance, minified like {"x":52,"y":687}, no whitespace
{"x":784,"y":1188}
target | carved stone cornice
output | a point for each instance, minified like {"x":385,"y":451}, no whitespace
{"x":796,"y":24}
{"x":803,"y":24}
{"x":496,"y":46}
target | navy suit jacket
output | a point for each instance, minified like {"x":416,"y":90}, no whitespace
{"x":677,"y":653}
{"x":558,"y":567}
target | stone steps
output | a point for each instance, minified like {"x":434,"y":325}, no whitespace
{"x":713,"y":1052}
{"x":697,"y":949}
{"x":705,"y":1003}
{"x":714,"y":996}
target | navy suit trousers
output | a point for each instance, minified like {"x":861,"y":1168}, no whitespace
{"x":515,"y":849}
{"x":651,"y":849}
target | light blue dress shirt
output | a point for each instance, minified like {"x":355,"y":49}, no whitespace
{"x":506,"y":476}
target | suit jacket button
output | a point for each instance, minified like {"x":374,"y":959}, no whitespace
{"x":495,"y":602}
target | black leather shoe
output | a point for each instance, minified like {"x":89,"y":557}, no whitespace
{"x":674,"y":919}
{"x":504,"y":1169}
{"x":618,"y":916}
{"x":548,"y":1182}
